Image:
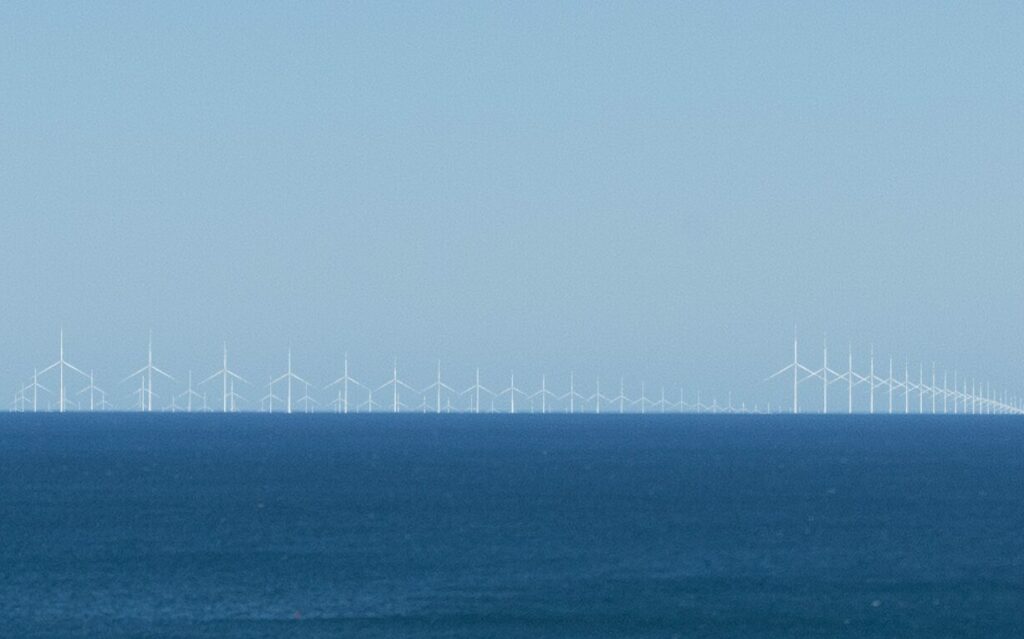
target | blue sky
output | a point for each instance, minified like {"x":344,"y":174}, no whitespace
{"x":657,"y":190}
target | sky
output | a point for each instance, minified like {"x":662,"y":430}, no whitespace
{"x":660,"y":191}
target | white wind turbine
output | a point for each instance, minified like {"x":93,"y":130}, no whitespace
{"x":343,"y":383}
{"x":306,"y":401}
{"x":476,"y":389}
{"x":148,"y":371}
{"x":20,"y":400}
{"x":103,"y":404}
{"x":173,"y":406}
{"x":35,"y":387}
{"x":642,"y":401}
{"x":597,"y":397}
{"x":828,"y":376}
{"x":267,"y":401}
{"x":226,"y":375}
{"x":543,"y":394}
{"x":572,"y":395}
{"x":61,"y":365}
{"x":233,"y":397}
{"x":892,"y":386}
{"x":288,"y":376}
{"x":945,"y":392}
{"x":662,"y":403}
{"x":621,"y":398}
{"x":933,"y":391}
{"x":438,"y":386}
{"x":796,"y":368}
{"x":92,"y":389}
{"x":369,"y":404}
{"x":700,"y":406}
{"x":683,"y":405}
{"x":511,"y":392}
{"x":906,"y":387}
{"x":852,"y":379}
{"x":141,"y":395}
{"x":395,"y":383}
{"x":190,"y":394}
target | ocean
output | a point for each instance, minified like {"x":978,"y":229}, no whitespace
{"x":245,"y":526}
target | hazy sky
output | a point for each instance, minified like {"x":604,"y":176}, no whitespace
{"x":657,"y":190}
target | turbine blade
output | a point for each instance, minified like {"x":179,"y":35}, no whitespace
{"x":777,"y":373}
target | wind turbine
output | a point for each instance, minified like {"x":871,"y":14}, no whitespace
{"x":683,"y":406}
{"x":369,"y":403}
{"x":933,"y":388}
{"x":476,"y":389}
{"x":148,"y":371}
{"x":924,"y":390}
{"x":796,"y":367}
{"x":225,"y":374}
{"x":104,"y":404}
{"x":438,"y":387}
{"x":642,"y":401}
{"x":394,"y":383}
{"x":343,"y":382}
{"x":850,"y":376}
{"x":621,"y":398}
{"x":35,"y":387}
{"x":512,"y":390}
{"x":572,"y":395}
{"x":906,"y":387}
{"x":288,"y":377}
{"x":190,"y":394}
{"x":61,"y":365}
{"x":544,"y":394}
{"x":945,"y":392}
{"x":173,"y":406}
{"x":828,"y":376}
{"x":233,"y":397}
{"x":268,"y":399}
{"x":306,"y":401}
{"x":662,"y":402}
{"x":20,"y":400}
{"x":92,"y":389}
{"x":140,"y":403}
{"x":598,"y":397}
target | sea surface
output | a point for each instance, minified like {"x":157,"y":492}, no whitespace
{"x":247,"y":526}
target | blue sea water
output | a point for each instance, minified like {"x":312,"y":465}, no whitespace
{"x":248,"y":526}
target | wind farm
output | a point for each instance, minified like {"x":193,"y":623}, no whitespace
{"x":805,"y":385}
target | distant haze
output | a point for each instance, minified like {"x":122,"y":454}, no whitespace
{"x":654,"y":190}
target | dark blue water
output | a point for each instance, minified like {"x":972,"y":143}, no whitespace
{"x":415,"y":526}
